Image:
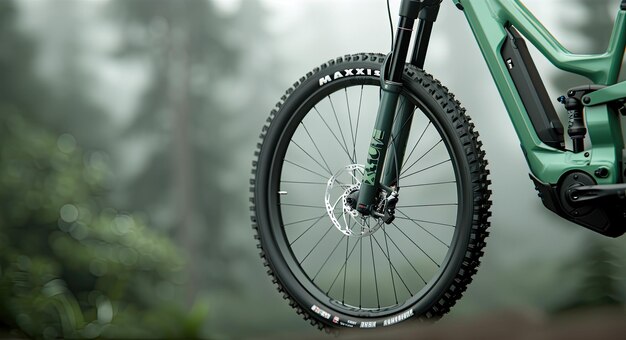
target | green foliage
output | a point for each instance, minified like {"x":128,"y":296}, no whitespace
{"x":600,"y":281}
{"x":69,"y":265}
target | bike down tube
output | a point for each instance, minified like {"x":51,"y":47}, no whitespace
{"x":488,"y":19}
{"x":391,"y":84}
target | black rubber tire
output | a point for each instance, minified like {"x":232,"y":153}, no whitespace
{"x":470,"y":231}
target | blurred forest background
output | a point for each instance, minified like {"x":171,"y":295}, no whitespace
{"x":127,"y":130}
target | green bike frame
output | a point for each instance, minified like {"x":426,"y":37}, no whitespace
{"x":499,"y":27}
{"x":488,"y":19}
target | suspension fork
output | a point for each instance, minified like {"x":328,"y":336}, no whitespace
{"x":386,"y":126}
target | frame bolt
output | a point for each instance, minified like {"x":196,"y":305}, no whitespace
{"x":602,"y":172}
{"x":586,"y":99}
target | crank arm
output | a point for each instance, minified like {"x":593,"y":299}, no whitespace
{"x":596,"y":194}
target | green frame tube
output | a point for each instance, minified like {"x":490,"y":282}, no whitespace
{"x":487,"y":19}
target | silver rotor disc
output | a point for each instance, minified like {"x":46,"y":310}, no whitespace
{"x":345,"y":218}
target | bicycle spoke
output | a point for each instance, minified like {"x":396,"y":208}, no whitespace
{"x":343,"y":268}
{"x":404,"y":256}
{"x":354,"y":177}
{"x":311,"y":157}
{"x":416,"y":143}
{"x":356,"y":133}
{"x":424,"y":221}
{"x":392,"y":266}
{"x":418,"y":247}
{"x":360,"y":271}
{"x":302,"y":205}
{"x":316,"y":147}
{"x":375,"y":276}
{"x":337,"y":202}
{"x":420,"y":158}
{"x":340,"y":129}
{"x":316,"y":244}
{"x":427,"y":184}
{"x":426,"y":168}
{"x":426,"y":205}
{"x":307,"y":229}
{"x":303,"y":168}
{"x":331,"y":131}
{"x":393,"y":283}
{"x":301,"y":182}
{"x":419,"y":225}
{"x":345,"y":272}
{"x":328,"y":258}
{"x":308,"y":219}
{"x":350,"y":121}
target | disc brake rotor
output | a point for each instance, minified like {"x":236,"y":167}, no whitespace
{"x":341,"y":211}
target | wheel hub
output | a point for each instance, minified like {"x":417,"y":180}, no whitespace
{"x":342,"y":191}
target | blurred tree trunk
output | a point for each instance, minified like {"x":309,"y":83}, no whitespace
{"x":182,"y":119}
{"x":182,"y":160}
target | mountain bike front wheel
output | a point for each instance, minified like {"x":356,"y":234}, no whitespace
{"x":336,"y":267}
